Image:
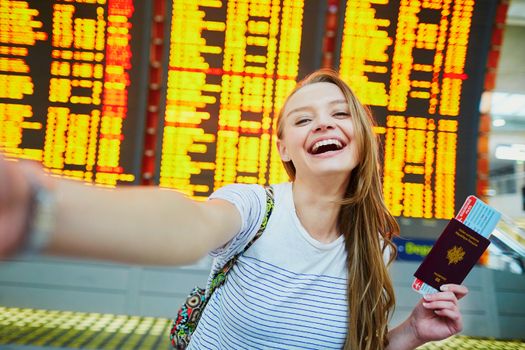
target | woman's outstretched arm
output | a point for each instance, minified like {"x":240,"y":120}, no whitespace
{"x":143,"y":225}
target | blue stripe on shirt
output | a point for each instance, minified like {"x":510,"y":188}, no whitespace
{"x":274,"y":268}
{"x":242,"y":310}
{"x":245,"y":270}
{"x":257,"y":318}
{"x":292,"y":300}
{"x":248,"y":325}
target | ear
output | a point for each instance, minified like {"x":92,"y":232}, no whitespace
{"x":282,"y":151}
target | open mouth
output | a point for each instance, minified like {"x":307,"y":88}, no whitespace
{"x":324,"y":146}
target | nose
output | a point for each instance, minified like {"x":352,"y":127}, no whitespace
{"x":323,"y":122}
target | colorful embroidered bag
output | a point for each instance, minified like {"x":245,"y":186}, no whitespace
{"x":189,"y":314}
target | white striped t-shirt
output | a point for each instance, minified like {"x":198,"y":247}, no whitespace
{"x":287,"y":291}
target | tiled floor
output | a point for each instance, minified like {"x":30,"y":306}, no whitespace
{"x":29,"y":329}
{"x":75,"y":330}
{"x":466,"y":343}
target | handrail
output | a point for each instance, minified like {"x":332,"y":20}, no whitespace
{"x":509,"y":241}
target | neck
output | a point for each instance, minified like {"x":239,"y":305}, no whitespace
{"x":317,"y":205}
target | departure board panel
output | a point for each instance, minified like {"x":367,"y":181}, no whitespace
{"x":231,"y":65}
{"x":420,"y":66}
{"x":69,"y":86}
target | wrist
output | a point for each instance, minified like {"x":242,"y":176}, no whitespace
{"x":404,"y":337}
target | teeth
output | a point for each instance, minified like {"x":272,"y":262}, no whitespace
{"x":318,"y":144}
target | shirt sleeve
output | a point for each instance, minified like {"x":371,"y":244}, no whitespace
{"x":250,"y":201}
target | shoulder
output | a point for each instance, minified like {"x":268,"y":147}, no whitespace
{"x":250,"y":193}
{"x":231,"y":191}
{"x":249,"y":200}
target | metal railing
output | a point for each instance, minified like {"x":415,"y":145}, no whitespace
{"x":507,"y":251}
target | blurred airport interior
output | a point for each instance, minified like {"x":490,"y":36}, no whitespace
{"x":172,"y":93}
{"x":507,"y":136}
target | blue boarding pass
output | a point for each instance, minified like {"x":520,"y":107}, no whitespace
{"x":476,"y":215}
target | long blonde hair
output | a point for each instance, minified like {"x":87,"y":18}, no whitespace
{"x":366,"y":225}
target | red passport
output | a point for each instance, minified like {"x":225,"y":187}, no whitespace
{"x":453,"y":255}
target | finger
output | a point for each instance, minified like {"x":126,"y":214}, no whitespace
{"x":454,"y":316}
{"x":445,"y":296}
{"x":459,"y":290}
{"x":4,"y":185}
{"x":12,"y":227}
{"x":14,"y":206}
{"x":435,"y":305}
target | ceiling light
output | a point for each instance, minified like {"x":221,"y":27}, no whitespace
{"x":511,"y":152}
{"x":498,"y":122}
{"x":507,"y":104}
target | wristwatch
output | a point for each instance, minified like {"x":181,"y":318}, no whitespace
{"x":42,"y":217}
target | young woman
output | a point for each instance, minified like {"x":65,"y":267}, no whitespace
{"x":316,"y":278}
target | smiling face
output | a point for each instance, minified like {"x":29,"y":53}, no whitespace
{"x":318,"y":134}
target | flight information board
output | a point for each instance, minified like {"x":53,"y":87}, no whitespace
{"x":231,"y":65}
{"x":70,"y":86}
{"x":420,"y":65}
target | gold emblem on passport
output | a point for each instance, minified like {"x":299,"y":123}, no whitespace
{"x":455,"y":254}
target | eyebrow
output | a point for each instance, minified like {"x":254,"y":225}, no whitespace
{"x":335,"y":102}
{"x":299,"y":109}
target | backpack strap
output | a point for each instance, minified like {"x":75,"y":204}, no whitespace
{"x":220,"y":277}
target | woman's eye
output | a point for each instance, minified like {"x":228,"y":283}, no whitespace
{"x":341,"y":114}
{"x":301,"y":121}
